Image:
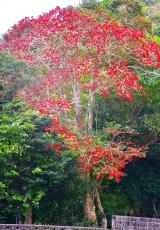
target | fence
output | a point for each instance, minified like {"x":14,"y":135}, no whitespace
{"x":43,"y":227}
{"x":135,"y":223}
{"x":118,"y":223}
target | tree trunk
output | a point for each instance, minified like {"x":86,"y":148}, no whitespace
{"x":90,"y":110}
{"x":154,"y":209}
{"x":28,"y":218}
{"x":101,"y":211}
{"x":77,"y":104}
{"x":89,"y":208}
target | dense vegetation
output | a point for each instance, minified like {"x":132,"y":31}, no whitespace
{"x":44,"y":177}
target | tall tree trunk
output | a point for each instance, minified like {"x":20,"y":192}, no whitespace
{"x":90,"y":110}
{"x":101,"y":211}
{"x":28,"y":218}
{"x":89,"y":208}
{"x":154,"y":209}
{"x":77,"y":104}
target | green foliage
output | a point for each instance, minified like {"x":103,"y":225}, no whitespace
{"x":152,"y":122}
{"x":12,"y":67}
{"x":36,"y":173}
{"x":14,"y":75}
{"x":151,"y":11}
{"x":89,"y":4}
{"x":142,"y":190}
{"x":14,"y":127}
{"x":30,"y":174}
{"x":115,"y":203}
{"x":138,"y":192}
{"x":123,"y":7}
{"x":63,"y":202}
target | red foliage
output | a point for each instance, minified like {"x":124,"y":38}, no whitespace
{"x":80,"y":43}
{"x":99,"y":54}
{"x":56,"y":147}
{"x":108,"y":159}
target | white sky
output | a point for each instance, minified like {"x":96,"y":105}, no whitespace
{"x":11,"y":11}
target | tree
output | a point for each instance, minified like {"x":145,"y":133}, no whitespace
{"x":33,"y":169}
{"x":143,"y":116}
{"x":151,"y":11}
{"x":30,"y":172}
{"x":89,"y":4}
{"x":85,"y":54}
{"x":128,"y":13}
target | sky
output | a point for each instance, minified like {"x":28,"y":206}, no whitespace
{"x":11,"y":11}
